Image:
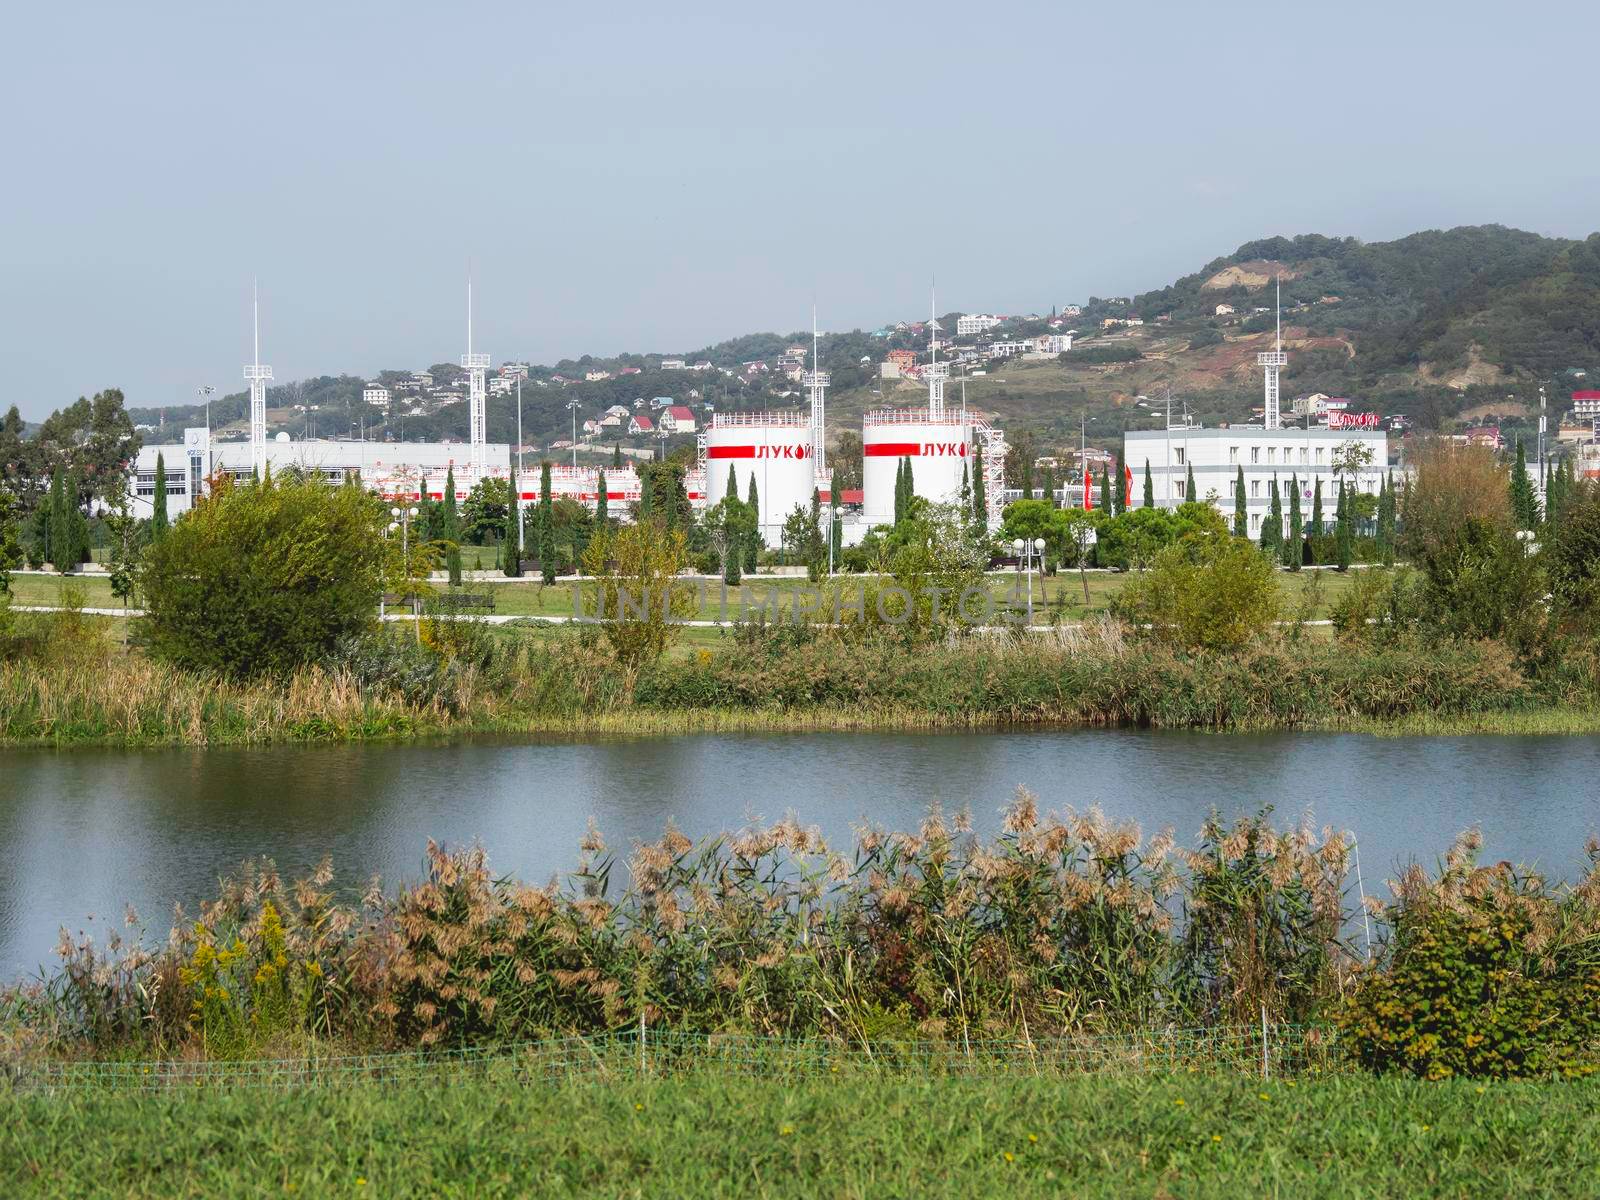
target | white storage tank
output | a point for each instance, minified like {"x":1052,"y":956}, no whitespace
{"x":938,"y":450}
{"x":773,"y":448}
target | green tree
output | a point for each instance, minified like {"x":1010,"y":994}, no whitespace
{"x":1027,"y":473}
{"x":602,"y":511}
{"x":11,"y":556}
{"x":1241,"y":507}
{"x":1048,"y":486}
{"x":263,"y":579}
{"x":616,"y":455}
{"x":1344,"y":532}
{"x":1524,"y":502}
{"x":158,"y":502}
{"x":636,"y":589}
{"x":1272,"y":525}
{"x":1386,"y":511}
{"x":1120,"y":498}
{"x":647,"y":504}
{"x":547,"y":527}
{"x":76,"y":534}
{"x":56,"y":533}
{"x":1293,"y":547}
{"x":451,"y":528}
{"x":1149,"y":487}
{"x":1105,"y":492}
{"x":1316,"y":509}
{"x":755,"y":537}
{"x":1214,"y":593}
{"x":483,"y":514}
{"x":511,"y":543}
{"x":1188,"y":485}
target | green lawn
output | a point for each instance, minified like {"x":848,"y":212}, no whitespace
{"x":853,"y":1135}
{"x":1057,"y":597}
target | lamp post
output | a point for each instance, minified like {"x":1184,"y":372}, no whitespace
{"x":205,"y":398}
{"x":834,"y":513}
{"x":1025,"y":551}
{"x":402,"y":518}
{"x":572,"y":407}
{"x":516,"y":484}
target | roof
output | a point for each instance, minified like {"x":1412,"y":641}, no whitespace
{"x":643,"y":422}
{"x":680,"y":413}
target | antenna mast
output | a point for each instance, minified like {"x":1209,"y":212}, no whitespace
{"x":256,"y":376}
{"x":936,"y":372}
{"x":477,"y":401}
{"x":1271,"y":362}
{"x":816,"y":382}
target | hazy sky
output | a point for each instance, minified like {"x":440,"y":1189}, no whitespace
{"x":657,"y":177}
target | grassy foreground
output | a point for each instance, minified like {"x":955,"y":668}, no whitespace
{"x":705,"y":1134}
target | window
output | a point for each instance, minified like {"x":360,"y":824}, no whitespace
{"x":1180,"y":485}
{"x":1255,"y":522}
{"x":1255,"y":489}
{"x":1180,"y":456}
{"x":1272,"y":454}
{"x":1305,"y":455}
{"x":1255,"y":454}
{"x":1233,"y":454}
{"x":1319,"y":453}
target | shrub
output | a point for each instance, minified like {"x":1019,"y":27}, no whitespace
{"x":1214,"y":594}
{"x":263,"y":578}
{"x":1488,"y":973}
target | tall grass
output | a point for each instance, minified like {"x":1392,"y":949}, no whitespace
{"x":74,"y":686}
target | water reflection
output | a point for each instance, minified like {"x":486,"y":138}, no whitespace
{"x":85,"y":831}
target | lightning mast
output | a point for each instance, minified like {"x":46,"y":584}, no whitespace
{"x":816,"y":381}
{"x":477,"y":398}
{"x":256,"y":375}
{"x":935,"y":372}
{"x":1271,"y":362}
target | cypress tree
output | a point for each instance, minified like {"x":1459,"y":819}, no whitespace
{"x":1272,"y":526}
{"x":1119,"y":499}
{"x":1343,"y":534}
{"x":836,"y":535}
{"x":902,"y":490}
{"x":980,"y":498}
{"x":602,"y":516}
{"x":1105,"y":491}
{"x":1049,"y":486}
{"x":547,"y":527}
{"x":1188,"y":485}
{"x":57,"y":535}
{"x":1292,"y":550}
{"x":1524,"y":503}
{"x":158,"y":502}
{"x":752,"y":545}
{"x":511,"y":544}
{"x":1027,"y":474}
{"x":1316,"y":508}
{"x":1386,"y":522}
{"x":647,"y":500}
{"x":1241,"y":507}
{"x":452,"y":528}
{"x":1149,"y":487}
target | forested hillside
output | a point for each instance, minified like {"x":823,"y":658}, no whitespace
{"x":1440,"y":327}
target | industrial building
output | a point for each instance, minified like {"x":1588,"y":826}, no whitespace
{"x":1216,"y":456}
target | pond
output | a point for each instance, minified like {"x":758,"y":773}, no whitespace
{"x":85,"y":832}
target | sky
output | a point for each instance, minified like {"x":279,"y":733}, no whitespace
{"x":647,"y":177}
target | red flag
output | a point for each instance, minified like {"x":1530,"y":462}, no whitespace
{"x":1086,"y":482}
{"x":1127,"y":479}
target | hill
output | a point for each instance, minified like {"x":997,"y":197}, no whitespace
{"x":1431,"y":327}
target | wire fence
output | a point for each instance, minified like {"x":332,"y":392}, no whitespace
{"x":1269,"y":1050}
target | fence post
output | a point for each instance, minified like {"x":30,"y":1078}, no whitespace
{"x":641,"y":1041}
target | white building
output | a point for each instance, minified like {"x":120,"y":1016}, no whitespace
{"x":975,"y":323}
{"x":1216,"y":457}
{"x":378,"y":397}
{"x":1054,"y":343}
{"x":399,"y":469}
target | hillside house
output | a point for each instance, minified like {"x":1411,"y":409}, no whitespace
{"x":639,"y":423}
{"x":1224,"y":310}
{"x":673,"y":364}
{"x":678,"y":419}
